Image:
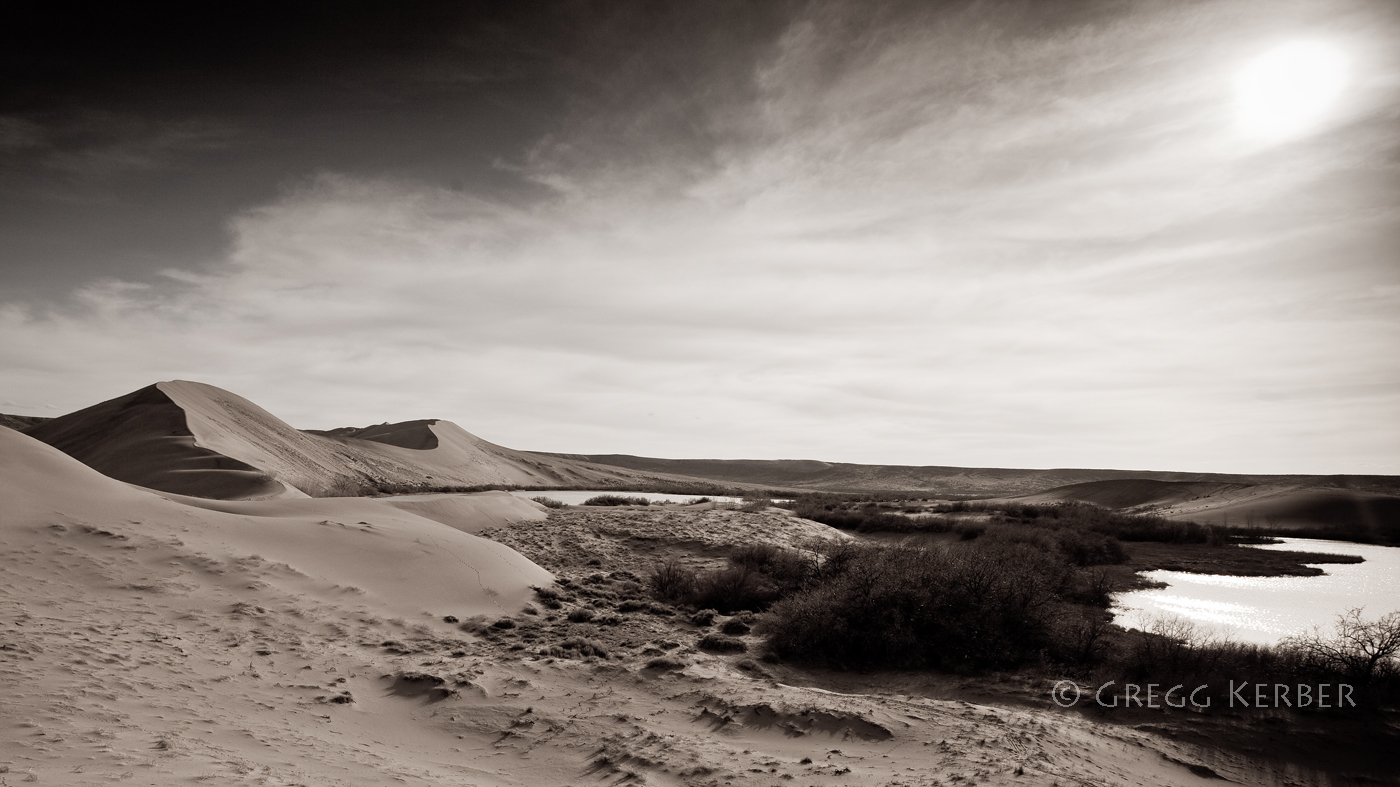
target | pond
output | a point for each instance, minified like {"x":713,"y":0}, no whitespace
{"x":1267,"y":609}
{"x":575,"y":497}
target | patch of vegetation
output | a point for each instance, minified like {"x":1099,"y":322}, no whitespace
{"x":577,"y":648}
{"x":735,"y":627}
{"x":1362,"y":653}
{"x":550,"y":598}
{"x":548,"y":502}
{"x":986,"y":604}
{"x":755,"y":505}
{"x":720,"y":643}
{"x":616,"y":500}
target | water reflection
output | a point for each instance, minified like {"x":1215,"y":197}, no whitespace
{"x":1267,"y":609}
{"x":575,"y":497}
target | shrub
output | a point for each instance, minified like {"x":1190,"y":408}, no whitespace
{"x":749,"y":665}
{"x":733,"y":589}
{"x":756,"y":505}
{"x":549,"y":598}
{"x":722,"y":644}
{"x":616,"y":500}
{"x":577,"y":647}
{"x":704,"y":617}
{"x":735,"y":627}
{"x":668,"y":663}
{"x":581,"y":615}
{"x":548,"y":502}
{"x":504,"y":623}
{"x":758,"y":575}
{"x":672,"y":581}
{"x":1361,"y":650}
{"x":978,"y":605}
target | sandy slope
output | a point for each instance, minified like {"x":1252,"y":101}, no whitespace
{"x":195,"y":439}
{"x":944,"y":480}
{"x":158,"y":640}
{"x":1264,"y":505}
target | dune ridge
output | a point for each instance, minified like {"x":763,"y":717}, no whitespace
{"x":1317,"y":509}
{"x":198,"y":440}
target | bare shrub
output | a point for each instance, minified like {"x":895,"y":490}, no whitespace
{"x":616,"y":500}
{"x":722,"y":644}
{"x":755,"y":505}
{"x":550,"y":598}
{"x":667,"y":663}
{"x":1360,"y":649}
{"x":672,"y":581}
{"x":735,"y":627}
{"x":976,"y":606}
{"x":733,"y":589}
{"x":577,"y":647}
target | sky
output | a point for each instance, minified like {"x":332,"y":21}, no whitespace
{"x":1156,"y":235}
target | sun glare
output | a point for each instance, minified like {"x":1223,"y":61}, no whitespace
{"x":1288,"y":89}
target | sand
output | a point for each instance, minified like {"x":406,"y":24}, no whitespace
{"x":195,"y":439}
{"x":159,"y":640}
{"x":1295,"y":505}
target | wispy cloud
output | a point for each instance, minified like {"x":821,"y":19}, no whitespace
{"x":933,"y":240}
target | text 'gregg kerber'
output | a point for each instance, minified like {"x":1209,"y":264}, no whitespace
{"x":1067,"y":693}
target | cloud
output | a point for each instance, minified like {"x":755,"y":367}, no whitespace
{"x":934,"y":244}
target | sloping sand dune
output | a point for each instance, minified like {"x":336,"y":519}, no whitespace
{"x":1288,"y":506}
{"x":945,"y":480}
{"x":195,"y":439}
{"x":470,"y":513}
{"x":1135,"y":492}
{"x":145,"y":438}
{"x":406,"y":562}
{"x":1325,"y":509}
{"x":153,"y":639}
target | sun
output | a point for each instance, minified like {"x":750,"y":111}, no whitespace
{"x":1288,"y":90}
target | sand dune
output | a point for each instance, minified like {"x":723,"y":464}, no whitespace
{"x":470,"y":513}
{"x":150,"y":638}
{"x":407,"y":562}
{"x":20,"y":422}
{"x":945,"y":480}
{"x":145,"y":438}
{"x":1317,"y":509}
{"x":195,"y":439}
{"x":1133,"y":493}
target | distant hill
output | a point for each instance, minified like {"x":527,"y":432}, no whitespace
{"x":21,"y":422}
{"x":942,"y":480}
{"x":1365,"y":508}
{"x":1354,"y":507}
{"x":194,"y":439}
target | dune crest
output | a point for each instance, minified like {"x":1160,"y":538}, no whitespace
{"x":194,"y":439}
{"x":409,"y":563}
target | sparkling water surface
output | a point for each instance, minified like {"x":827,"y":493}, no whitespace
{"x":1267,"y":609}
{"x":575,"y":497}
